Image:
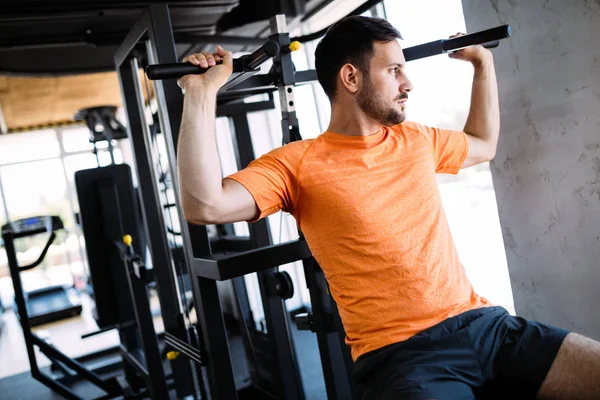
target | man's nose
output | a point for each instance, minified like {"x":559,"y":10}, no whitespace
{"x":406,"y":86}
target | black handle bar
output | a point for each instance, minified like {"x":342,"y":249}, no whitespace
{"x":489,"y":38}
{"x":42,"y":256}
{"x":244,"y":63}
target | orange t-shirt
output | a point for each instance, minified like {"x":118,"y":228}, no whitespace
{"x":371,"y":213}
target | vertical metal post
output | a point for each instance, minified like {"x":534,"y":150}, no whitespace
{"x":154,"y":225}
{"x":156,"y":381}
{"x":289,"y":122}
{"x":111,"y":150}
{"x":329,"y":338}
{"x":276,"y":316}
{"x":13,"y":264}
{"x":3,"y":198}
{"x":206,"y":296}
{"x":348,"y":362}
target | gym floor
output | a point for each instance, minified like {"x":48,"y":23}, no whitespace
{"x":65,"y":335}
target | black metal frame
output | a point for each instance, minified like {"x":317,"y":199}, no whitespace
{"x":285,"y":369}
{"x":154,"y":27}
{"x":151,"y":209}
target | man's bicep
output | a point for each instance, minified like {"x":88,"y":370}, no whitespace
{"x":237,"y":204}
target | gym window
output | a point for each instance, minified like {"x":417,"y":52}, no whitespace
{"x":36,"y":178}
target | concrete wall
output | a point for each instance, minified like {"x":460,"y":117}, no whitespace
{"x":547,"y":169}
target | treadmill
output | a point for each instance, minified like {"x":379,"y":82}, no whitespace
{"x":47,"y":304}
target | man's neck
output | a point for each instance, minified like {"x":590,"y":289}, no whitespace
{"x":351,"y":120}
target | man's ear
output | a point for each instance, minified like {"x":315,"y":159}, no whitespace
{"x":350,"y":78}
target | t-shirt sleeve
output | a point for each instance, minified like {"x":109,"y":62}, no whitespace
{"x":449,"y":148}
{"x":271,"y":180}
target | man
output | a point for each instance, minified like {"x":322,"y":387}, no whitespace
{"x":365,"y":196}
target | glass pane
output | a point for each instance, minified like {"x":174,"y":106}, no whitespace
{"x":40,"y":188}
{"x":76,"y":139}
{"x":4,"y":273}
{"x":28,"y":146}
{"x":104,"y":157}
{"x":35,"y":188}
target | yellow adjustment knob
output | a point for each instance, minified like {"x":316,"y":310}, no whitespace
{"x":172,"y":355}
{"x":127,"y":239}
{"x":295,"y":45}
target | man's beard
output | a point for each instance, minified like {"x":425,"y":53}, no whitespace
{"x":371,"y":103}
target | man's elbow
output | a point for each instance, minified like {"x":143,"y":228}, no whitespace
{"x":198,"y":214}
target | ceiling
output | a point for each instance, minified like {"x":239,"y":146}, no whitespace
{"x":56,"y":56}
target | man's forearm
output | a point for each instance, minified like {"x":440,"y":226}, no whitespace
{"x":198,"y":163}
{"x":484,"y":115}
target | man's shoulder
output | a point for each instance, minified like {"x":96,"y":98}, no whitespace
{"x":293,"y":151}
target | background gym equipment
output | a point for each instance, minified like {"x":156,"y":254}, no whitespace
{"x":207,"y":345}
{"x":47,"y":304}
{"x":119,"y":277}
{"x":109,"y":212}
{"x":69,"y":367}
{"x":104,"y":127}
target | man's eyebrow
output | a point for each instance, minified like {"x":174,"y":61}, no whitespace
{"x":396,"y":65}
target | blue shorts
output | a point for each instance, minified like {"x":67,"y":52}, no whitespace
{"x":481,"y":354}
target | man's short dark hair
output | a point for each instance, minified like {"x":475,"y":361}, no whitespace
{"x":350,"y":40}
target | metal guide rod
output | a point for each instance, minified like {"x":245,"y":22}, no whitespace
{"x":284,"y":66}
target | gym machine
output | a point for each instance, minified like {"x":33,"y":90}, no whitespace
{"x":207,"y":345}
{"x":70,"y":369}
{"x":110,"y":223}
{"x":104,"y":127}
{"x":120,"y":277}
{"x":47,"y":304}
{"x":207,"y":264}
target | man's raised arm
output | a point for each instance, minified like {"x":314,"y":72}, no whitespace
{"x":483,"y":123}
{"x":206,"y":197}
